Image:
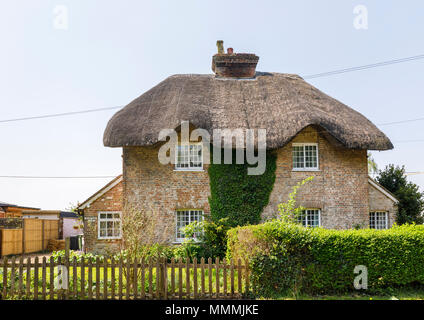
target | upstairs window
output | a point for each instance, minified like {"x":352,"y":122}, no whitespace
{"x":189,"y":157}
{"x":185,"y":217}
{"x":305,"y":156}
{"x":378,"y":220}
{"x":109,"y":225}
{"x":310,"y":218}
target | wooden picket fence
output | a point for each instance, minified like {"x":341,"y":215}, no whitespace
{"x":120,"y":279}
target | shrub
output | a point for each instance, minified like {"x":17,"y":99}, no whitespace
{"x":211,"y":240}
{"x":78,"y":255}
{"x":288,"y":258}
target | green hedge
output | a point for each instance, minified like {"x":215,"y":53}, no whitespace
{"x":287,"y":257}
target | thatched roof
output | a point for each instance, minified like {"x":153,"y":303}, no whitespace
{"x":283,"y":104}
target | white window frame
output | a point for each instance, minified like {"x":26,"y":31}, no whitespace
{"x":179,"y":240}
{"x":306,"y":217}
{"x":386,"y":216}
{"x":113,"y":219}
{"x":176,"y":168}
{"x":304,"y":157}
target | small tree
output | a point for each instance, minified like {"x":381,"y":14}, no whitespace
{"x":288,"y":212}
{"x":140,"y":232}
{"x":411,"y":201}
{"x":372,"y":165}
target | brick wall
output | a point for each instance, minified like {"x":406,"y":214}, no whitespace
{"x":379,"y":202}
{"x":158,"y":189}
{"x":339,"y":188}
{"x":110,"y":201}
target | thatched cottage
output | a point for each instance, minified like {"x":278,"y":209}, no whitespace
{"x":311,"y":134}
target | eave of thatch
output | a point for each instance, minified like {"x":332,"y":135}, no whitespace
{"x":283,"y":104}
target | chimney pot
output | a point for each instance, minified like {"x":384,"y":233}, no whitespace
{"x":220,"y":45}
{"x":233,"y":65}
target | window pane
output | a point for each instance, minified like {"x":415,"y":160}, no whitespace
{"x":313,"y":218}
{"x":116,"y":230}
{"x":310,"y":218}
{"x":298,"y":157}
{"x":378,"y":220}
{"x":184,"y":217}
{"x":103,"y":216}
{"x":117,"y":216}
{"x":311,"y":157}
{"x":302,"y":219}
{"x":196,"y":156}
{"x":182,"y":157}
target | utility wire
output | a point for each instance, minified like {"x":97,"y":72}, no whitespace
{"x":58,"y":177}
{"x":367,"y":66}
{"x":400,"y":122}
{"x":313,"y":76}
{"x":60,"y":114}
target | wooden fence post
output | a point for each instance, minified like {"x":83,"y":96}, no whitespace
{"x":67,"y":247}
{"x":172,"y":277}
{"x":202,"y":281}
{"x":143,"y":290}
{"x":36,"y":278}
{"x":44,"y":277}
{"x":5,"y":277}
{"x":1,"y":242}
{"x":225,"y":277}
{"x":164,"y":274}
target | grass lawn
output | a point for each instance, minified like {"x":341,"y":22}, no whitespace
{"x":397,"y":294}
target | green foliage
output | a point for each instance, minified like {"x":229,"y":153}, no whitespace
{"x":154,"y":251}
{"x":372,"y":165}
{"x":411,"y":201}
{"x":78,"y":255}
{"x":204,"y":239}
{"x":288,"y":210}
{"x":238,"y":196}
{"x":286,"y":258}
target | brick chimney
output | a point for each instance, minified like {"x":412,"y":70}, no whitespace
{"x":233,"y":65}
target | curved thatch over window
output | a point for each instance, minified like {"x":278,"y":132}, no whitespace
{"x":281,"y":103}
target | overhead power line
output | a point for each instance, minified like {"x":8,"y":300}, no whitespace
{"x":58,"y":177}
{"x":60,"y":114}
{"x":313,"y":76}
{"x":400,"y":122}
{"x":364,"y":67}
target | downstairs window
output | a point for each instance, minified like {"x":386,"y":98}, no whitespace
{"x":185,"y":217}
{"x":378,"y":220}
{"x":310,"y":218}
{"x":109,"y":225}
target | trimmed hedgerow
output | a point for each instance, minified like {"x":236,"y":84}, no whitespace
{"x":288,"y":258}
{"x":238,"y":196}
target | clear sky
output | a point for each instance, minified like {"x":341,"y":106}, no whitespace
{"x":113,"y":51}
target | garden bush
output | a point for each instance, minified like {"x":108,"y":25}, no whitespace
{"x":207,"y":239}
{"x":286,"y":258}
